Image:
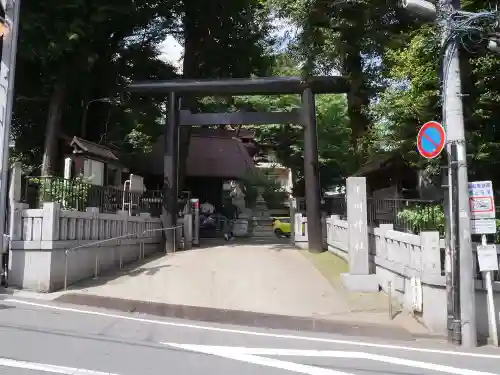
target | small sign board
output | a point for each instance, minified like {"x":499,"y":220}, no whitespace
{"x":136,"y":184}
{"x":431,"y":139}
{"x":487,"y":258}
{"x":481,"y":201}
{"x":483,"y":226}
{"x":482,"y":207}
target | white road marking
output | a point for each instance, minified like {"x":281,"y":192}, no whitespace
{"x":256,"y":360}
{"x":5,"y":362}
{"x":254,"y":333}
{"x":231,"y":352}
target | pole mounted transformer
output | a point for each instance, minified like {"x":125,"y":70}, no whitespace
{"x":422,"y":8}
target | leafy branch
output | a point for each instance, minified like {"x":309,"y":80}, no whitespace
{"x":420,"y":217}
{"x":257,"y":182}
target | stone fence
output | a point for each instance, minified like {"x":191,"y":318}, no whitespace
{"x":51,"y":247}
{"x":411,"y":266}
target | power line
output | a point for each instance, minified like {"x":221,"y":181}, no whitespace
{"x":466,"y":29}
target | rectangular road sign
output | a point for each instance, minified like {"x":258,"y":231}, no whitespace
{"x":483,"y":226}
{"x":481,"y":200}
{"x":487,"y":258}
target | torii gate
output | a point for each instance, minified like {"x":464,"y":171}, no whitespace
{"x":306,"y":87}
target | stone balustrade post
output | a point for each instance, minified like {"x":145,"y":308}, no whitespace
{"x":359,"y":277}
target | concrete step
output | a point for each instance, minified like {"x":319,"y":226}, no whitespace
{"x":264,"y":235}
{"x":263,"y":230}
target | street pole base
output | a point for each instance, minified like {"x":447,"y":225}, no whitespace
{"x":4,"y":271}
{"x":457,"y":332}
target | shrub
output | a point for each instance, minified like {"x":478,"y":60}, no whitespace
{"x":71,"y":194}
{"x":256,"y":182}
{"x":420,"y":217}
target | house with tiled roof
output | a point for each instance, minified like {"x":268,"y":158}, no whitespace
{"x":215,"y":156}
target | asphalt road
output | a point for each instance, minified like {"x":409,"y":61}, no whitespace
{"x":38,"y":337}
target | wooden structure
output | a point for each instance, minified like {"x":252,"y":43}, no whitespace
{"x":390,"y":176}
{"x":98,"y":163}
{"x":307,"y":87}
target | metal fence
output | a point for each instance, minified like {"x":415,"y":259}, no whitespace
{"x":410,"y":215}
{"x":77,"y":195}
{"x":329,"y":205}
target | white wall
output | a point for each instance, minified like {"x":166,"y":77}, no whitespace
{"x":398,"y":257}
{"x":45,"y":243}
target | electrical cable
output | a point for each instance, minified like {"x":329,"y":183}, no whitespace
{"x":466,"y":29}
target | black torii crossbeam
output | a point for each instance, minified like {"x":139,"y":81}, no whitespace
{"x":306,"y":87}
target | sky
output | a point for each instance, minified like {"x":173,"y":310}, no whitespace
{"x":172,"y":52}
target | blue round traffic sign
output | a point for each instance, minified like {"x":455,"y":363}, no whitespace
{"x":431,"y":139}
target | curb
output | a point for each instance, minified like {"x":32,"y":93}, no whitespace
{"x":244,"y":318}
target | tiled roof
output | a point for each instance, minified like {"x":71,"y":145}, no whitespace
{"x":218,"y":157}
{"x":378,"y":162}
{"x":210,"y":155}
{"x":95,"y":149}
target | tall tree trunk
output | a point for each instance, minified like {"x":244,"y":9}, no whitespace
{"x":53,"y":125}
{"x":193,"y":36}
{"x":352,"y":67}
{"x":357,"y":97}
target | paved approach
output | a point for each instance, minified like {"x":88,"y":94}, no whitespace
{"x":268,"y":277}
{"x":44,"y":337}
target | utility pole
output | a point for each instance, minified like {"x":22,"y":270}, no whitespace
{"x":463,"y":326}
{"x":457,"y":161}
{"x":7,"y":74}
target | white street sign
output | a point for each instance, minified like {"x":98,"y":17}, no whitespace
{"x":481,"y":200}
{"x":487,"y":258}
{"x":484,"y":226}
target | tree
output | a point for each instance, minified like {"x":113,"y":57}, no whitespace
{"x":257,"y":182}
{"x":105,"y":46}
{"x":413,"y":97}
{"x":335,"y":152}
{"x":223,"y":39}
{"x":72,"y":49}
{"x":349,"y":37}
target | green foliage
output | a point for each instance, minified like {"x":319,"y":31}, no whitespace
{"x":273,"y":193}
{"x":336,"y":159}
{"x":71,"y":194}
{"x":391,"y":61}
{"x":497,"y":234}
{"x":412,"y":97}
{"x":349,"y":37}
{"x":257,"y":182}
{"x":94,"y":49}
{"x":336,"y":156}
{"x":420,"y":218}
{"x":423,"y":218}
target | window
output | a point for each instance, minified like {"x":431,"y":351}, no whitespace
{"x":111,"y":176}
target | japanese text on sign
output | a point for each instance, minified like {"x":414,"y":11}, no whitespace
{"x":481,"y":189}
{"x":481,"y":201}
